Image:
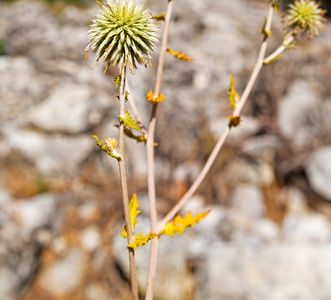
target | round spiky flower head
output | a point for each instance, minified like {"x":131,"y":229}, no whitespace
{"x":123,"y":33}
{"x":305,"y":15}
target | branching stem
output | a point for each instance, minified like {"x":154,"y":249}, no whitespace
{"x":226,"y":132}
{"x":150,"y":155}
{"x":287,"y":41}
{"x":135,"y":111}
{"x":124,"y":185}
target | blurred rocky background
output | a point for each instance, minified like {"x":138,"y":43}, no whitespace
{"x":268,"y":234}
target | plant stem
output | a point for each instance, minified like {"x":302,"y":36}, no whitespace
{"x":150,"y":156}
{"x":136,"y":112}
{"x":220,"y":143}
{"x":287,"y":41}
{"x":124,"y":184}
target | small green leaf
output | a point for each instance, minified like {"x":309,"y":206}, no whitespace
{"x":264,"y":31}
{"x":109,"y":147}
{"x":117,"y":81}
{"x":266,"y":62}
{"x":127,"y":95}
{"x":129,"y":122}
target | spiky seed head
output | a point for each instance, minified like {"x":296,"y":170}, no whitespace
{"x":305,"y":16}
{"x":123,"y":33}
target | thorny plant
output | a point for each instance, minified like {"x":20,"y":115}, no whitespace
{"x":124,"y":34}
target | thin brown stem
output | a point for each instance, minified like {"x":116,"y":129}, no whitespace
{"x":136,"y":112}
{"x":150,"y":155}
{"x":124,"y":185}
{"x":226,"y":132}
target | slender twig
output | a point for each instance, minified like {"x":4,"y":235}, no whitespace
{"x":123,"y":178}
{"x":287,"y":41}
{"x":150,"y":155}
{"x":226,"y":132}
{"x":135,"y":111}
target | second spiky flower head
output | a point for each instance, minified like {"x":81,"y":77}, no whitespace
{"x":122,"y":34}
{"x":305,"y":16}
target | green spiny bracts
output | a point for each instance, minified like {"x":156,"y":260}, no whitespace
{"x":124,"y":33}
{"x":305,"y":16}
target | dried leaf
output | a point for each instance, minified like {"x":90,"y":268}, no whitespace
{"x":139,"y":139}
{"x":233,"y":95}
{"x":160,"y":17}
{"x":180,"y":224}
{"x":142,"y":240}
{"x":134,"y":212}
{"x":234,"y":121}
{"x":181,"y":56}
{"x":150,"y":98}
{"x":139,"y":240}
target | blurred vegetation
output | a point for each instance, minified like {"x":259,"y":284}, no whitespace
{"x":325,"y":4}
{"x":2,"y":46}
{"x":62,"y":2}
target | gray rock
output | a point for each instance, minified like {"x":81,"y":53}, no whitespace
{"x":34,"y":213}
{"x":18,"y":91}
{"x":18,"y":260}
{"x":307,"y":228}
{"x":248,"y":201}
{"x":58,"y":154}
{"x":216,"y":226}
{"x":247,"y":171}
{"x":302,"y":116}
{"x":95,"y":291}
{"x":20,"y":225}
{"x":67,"y":110}
{"x":262,"y":146}
{"x":296,"y":201}
{"x":5,"y":198}
{"x":274,"y":272}
{"x":186,"y":171}
{"x":33,"y":33}
{"x":38,"y":34}
{"x":8,"y":283}
{"x":65,"y":275}
{"x":318,"y":168}
{"x":248,"y":127}
{"x":91,"y":238}
{"x":266,"y":230}
{"x":88,"y":211}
